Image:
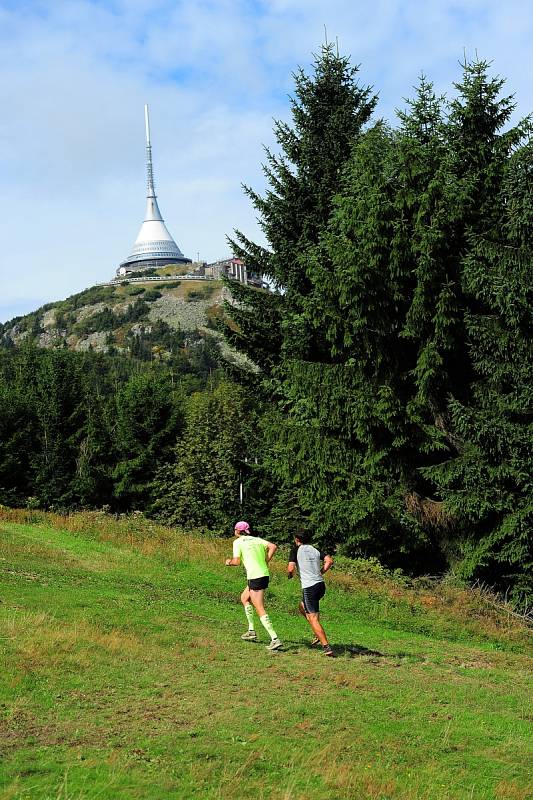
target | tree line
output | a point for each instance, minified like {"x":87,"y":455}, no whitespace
{"x":90,"y":430}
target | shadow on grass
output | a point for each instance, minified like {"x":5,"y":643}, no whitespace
{"x":358,"y":650}
{"x":340,"y":649}
{"x":399,"y":656}
{"x":292,"y":647}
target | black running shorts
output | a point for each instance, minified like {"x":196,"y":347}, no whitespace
{"x":312,"y":596}
{"x":258,"y":583}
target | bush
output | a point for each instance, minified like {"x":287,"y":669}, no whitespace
{"x":103,"y":320}
{"x":192,"y":296}
{"x":151,"y":295}
{"x":215,"y":316}
{"x":89,"y":297}
{"x":142,"y":272}
{"x":201,"y":293}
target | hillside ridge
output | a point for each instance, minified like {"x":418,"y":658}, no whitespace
{"x":117,"y":316}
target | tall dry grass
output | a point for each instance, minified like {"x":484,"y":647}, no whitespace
{"x":132,"y":530}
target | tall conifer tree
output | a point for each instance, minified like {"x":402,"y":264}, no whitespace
{"x":488,"y":482}
{"x":329,"y":110}
{"x":200,"y":486}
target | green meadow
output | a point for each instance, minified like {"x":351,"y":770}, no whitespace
{"x":123,"y":676}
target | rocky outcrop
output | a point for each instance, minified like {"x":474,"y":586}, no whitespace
{"x":188,"y":307}
{"x":179,"y":313}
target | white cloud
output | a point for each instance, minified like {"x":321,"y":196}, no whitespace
{"x":76,"y":73}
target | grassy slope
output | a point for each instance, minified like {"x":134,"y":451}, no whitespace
{"x":123,"y":676}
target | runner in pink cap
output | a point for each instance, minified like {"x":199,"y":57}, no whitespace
{"x":255,"y":554}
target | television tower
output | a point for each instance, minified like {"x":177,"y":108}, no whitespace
{"x":154,"y":246}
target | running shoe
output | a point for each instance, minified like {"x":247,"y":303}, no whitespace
{"x":249,"y":636}
{"x":315,"y":641}
{"x":328,"y":651}
{"x":275,"y":644}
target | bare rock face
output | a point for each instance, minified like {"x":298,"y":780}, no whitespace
{"x":180,"y":314}
{"x":89,"y":311}
{"x":138,"y":329}
{"x":51,"y":337}
{"x":49,"y":319}
{"x":17,"y":334}
{"x":93,"y":341}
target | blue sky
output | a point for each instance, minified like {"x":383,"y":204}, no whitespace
{"x":76,"y":74}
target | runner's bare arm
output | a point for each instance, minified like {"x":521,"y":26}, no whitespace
{"x":233,"y":562}
{"x":328,"y":563}
{"x":271,"y":549}
{"x":291,"y":569}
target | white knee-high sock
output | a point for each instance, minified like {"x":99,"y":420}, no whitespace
{"x":249,"y":611}
{"x":267,"y":625}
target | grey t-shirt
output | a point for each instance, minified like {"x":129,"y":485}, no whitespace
{"x":307,"y":558}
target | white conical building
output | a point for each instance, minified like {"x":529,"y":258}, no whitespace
{"x":154,"y":246}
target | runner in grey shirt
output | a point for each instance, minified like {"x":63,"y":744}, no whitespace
{"x":307,"y":560}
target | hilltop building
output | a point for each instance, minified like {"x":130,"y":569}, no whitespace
{"x":236,"y":269}
{"x":154,"y":246}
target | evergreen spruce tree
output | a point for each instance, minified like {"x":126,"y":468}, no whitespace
{"x":329,"y":110}
{"x":57,"y":408}
{"x":199,"y":487}
{"x":362,"y":420}
{"x":148,"y":418}
{"x":91,"y":485}
{"x":17,"y":436}
{"x":467,"y":184}
{"x":345,"y":443}
{"x":487,"y":484}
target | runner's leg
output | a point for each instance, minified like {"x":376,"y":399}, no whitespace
{"x":258,"y":596}
{"x":311,"y":606}
{"x":318,"y":630}
{"x":248,"y":608}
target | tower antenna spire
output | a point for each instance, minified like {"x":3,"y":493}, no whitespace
{"x":154,"y":247}
{"x":149,"y":166}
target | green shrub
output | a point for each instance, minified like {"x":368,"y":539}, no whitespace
{"x":203,"y":292}
{"x":192,"y":296}
{"x":151,"y":295}
{"x":142,"y":272}
{"x":103,"y":320}
{"x":89,"y":297}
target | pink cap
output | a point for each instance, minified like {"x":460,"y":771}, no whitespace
{"x":242,"y":526}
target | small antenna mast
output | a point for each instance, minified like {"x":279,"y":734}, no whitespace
{"x":149,"y":167}
{"x":147,"y":125}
